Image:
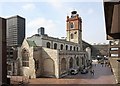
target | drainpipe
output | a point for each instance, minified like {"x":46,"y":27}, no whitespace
{"x":118,"y":71}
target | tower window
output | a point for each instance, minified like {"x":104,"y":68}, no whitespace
{"x":72,"y":36}
{"x":71,"y":25}
{"x":75,"y":33}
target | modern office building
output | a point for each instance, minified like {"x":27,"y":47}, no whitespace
{"x":15,"y":30}
{"x":112,"y":19}
{"x":15,"y":36}
{"x":3,"y":71}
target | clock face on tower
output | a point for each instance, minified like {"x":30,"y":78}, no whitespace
{"x":71,"y":25}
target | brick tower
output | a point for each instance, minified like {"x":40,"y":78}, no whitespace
{"x":74,"y":28}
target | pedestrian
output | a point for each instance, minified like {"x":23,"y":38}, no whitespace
{"x":102,"y":64}
{"x":106,"y":64}
{"x":92,"y":71}
{"x":95,"y":64}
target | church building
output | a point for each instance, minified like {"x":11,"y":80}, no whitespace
{"x":43,"y":56}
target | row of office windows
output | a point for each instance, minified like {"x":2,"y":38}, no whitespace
{"x":67,"y":47}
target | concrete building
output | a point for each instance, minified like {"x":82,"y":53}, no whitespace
{"x":112,"y":19}
{"x":43,"y":56}
{"x":114,"y":54}
{"x":97,"y":50}
{"x":15,"y":36}
{"x":15,"y":30}
{"x":3,"y":66}
{"x":100,"y":50}
{"x":114,"y":48}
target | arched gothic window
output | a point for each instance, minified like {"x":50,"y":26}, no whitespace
{"x":25,"y":58}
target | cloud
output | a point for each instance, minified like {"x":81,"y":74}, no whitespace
{"x":90,"y":11}
{"x":49,"y":25}
{"x":28,"y":7}
{"x":56,"y":0}
{"x":0,"y":9}
{"x":13,"y":0}
{"x":111,"y":0}
{"x":56,"y":4}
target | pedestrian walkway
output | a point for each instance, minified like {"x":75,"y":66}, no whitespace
{"x":102,"y":75}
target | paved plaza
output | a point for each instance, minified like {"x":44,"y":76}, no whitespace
{"x":103,"y":75}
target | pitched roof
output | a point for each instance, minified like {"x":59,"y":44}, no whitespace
{"x":31,"y":43}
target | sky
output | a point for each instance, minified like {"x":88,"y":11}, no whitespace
{"x":51,"y":14}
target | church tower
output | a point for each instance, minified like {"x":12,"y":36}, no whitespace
{"x":74,"y":28}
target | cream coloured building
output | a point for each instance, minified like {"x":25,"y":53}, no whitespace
{"x":44,"y":56}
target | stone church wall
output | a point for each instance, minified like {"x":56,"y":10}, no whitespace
{"x":37,"y":56}
{"x":51,"y":67}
